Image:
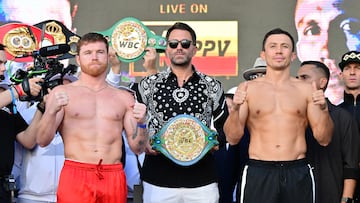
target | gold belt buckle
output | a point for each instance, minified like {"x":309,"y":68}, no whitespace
{"x":184,"y":140}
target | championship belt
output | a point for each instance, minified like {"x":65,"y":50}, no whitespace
{"x":129,"y":37}
{"x":62,"y":35}
{"x":184,"y":140}
{"x":21,"y":40}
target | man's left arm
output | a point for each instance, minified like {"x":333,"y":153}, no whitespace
{"x":135,"y":125}
{"x":15,"y":91}
{"x":319,"y":118}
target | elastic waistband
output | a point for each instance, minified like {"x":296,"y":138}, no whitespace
{"x":272,"y":164}
{"x":87,"y":166}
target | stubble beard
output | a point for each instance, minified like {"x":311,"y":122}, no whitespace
{"x":182,"y":62}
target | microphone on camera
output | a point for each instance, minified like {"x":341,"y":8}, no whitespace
{"x":54,"y":50}
{"x":48,"y":51}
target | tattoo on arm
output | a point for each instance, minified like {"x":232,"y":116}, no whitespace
{"x":135,"y":130}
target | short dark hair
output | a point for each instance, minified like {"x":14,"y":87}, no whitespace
{"x":2,"y":47}
{"x":278,"y":31}
{"x":320,"y":66}
{"x":92,"y":37}
{"x":182,"y":26}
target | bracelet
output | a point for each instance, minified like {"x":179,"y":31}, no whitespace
{"x":141,"y":125}
{"x":13,"y":100}
{"x":19,"y":90}
{"x":13,"y":86}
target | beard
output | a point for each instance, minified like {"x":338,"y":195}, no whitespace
{"x":94,"y":71}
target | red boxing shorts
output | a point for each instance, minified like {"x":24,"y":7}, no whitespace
{"x":82,"y":182}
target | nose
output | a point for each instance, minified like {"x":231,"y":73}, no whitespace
{"x":352,"y":70}
{"x":278,"y":49}
{"x":94,"y":56}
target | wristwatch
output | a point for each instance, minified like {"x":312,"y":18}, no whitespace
{"x":347,"y":200}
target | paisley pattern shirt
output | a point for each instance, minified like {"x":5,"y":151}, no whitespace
{"x":201,"y":96}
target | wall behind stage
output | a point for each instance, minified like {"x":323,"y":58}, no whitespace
{"x":252,"y":18}
{"x":229,"y":31}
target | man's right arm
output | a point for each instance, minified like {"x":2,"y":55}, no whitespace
{"x":52,"y":117}
{"x":235,"y":124}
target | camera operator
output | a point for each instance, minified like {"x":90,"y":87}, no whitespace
{"x":41,"y":185}
{"x":6,"y":97}
{"x":13,"y":128}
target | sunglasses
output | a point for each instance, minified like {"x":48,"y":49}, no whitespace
{"x":184,"y":43}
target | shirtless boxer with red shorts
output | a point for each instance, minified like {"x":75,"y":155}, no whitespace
{"x":90,"y":115}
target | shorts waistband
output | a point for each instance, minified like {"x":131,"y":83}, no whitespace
{"x":91,"y":167}
{"x":272,"y":164}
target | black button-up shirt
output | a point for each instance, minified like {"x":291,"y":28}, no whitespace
{"x":202,"y":97}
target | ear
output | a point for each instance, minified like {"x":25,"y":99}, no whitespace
{"x":323,"y":82}
{"x":341,"y":76}
{"x":262,"y":54}
{"x":77,"y":59}
{"x":194,"y":51}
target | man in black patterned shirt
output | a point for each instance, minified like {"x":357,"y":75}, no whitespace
{"x":180,"y":90}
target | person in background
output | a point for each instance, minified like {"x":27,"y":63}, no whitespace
{"x":91,"y":126}
{"x":312,"y":22}
{"x":350,"y":67}
{"x":277,"y":109}
{"x":229,"y":161}
{"x":114,"y":75}
{"x":41,"y":163}
{"x":179,"y":90}
{"x":350,"y":76}
{"x":44,"y":188}
{"x":132,"y":161}
{"x":325,"y":29}
{"x":14,"y":128}
{"x":335,"y":166}
{"x":258,"y":70}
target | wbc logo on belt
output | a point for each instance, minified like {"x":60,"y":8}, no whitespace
{"x":129,"y":37}
{"x":184,"y":140}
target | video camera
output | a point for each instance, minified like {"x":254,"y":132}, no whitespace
{"x":48,"y":68}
